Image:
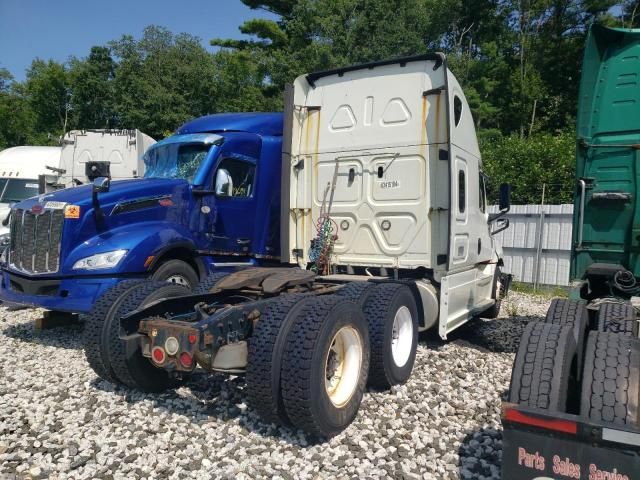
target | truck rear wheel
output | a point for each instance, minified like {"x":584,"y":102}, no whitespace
{"x":104,"y":307}
{"x":208,"y":283}
{"x":266,"y":347}
{"x":611,"y":380}
{"x":178,"y":272}
{"x":541,"y":375}
{"x":357,"y":292}
{"x":573,"y":313}
{"x":130,"y":367}
{"x":392,"y":316}
{"x":325,"y":365}
{"x":616,"y":317}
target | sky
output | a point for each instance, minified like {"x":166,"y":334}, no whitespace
{"x":59,"y":29}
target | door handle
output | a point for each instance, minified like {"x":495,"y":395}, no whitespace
{"x":243,"y":241}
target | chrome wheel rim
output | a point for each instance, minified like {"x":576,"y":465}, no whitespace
{"x":343,"y":364}
{"x":402,"y":336}
{"x":179,"y":280}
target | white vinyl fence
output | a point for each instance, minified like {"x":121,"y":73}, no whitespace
{"x":537,"y":244}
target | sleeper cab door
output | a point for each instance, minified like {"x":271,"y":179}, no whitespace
{"x":234,"y":181}
{"x":468,"y":283}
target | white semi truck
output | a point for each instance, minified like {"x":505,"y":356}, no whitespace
{"x":384,"y":233}
{"x":20,"y":170}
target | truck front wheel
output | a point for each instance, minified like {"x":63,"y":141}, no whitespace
{"x":325,"y":365}
{"x":178,"y":272}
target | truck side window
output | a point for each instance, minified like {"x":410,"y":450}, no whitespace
{"x":483,"y":194}
{"x":457,"y":109}
{"x":462,"y":192}
{"x":241,"y":175}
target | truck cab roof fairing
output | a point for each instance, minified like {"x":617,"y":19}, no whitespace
{"x":259,"y":123}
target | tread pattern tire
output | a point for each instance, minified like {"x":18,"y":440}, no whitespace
{"x":542,"y":368}
{"x":573,"y":313}
{"x":617,"y":318}
{"x":357,"y":292}
{"x":304,"y":398}
{"x":208,"y":283}
{"x":131,"y":368}
{"x":174,"y":267}
{"x":611,"y":380}
{"x":94,"y":326}
{"x":379,"y":310}
{"x":264,"y":365}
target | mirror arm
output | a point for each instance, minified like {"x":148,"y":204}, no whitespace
{"x":495,"y":216}
{"x":501,"y":228}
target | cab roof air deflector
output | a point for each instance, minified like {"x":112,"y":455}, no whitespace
{"x":437,"y":57}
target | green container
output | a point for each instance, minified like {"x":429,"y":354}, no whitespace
{"x":606,"y":222}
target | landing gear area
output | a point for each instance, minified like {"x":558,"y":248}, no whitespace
{"x":307,"y":348}
{"x":574,"y":401}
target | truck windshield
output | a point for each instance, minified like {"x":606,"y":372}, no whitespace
{"x":17,"y":189}
{"x":175,"y":160}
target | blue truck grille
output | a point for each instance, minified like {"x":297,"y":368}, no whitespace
{"x":35,"y":240}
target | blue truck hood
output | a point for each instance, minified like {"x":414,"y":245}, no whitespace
{"x":121,"y":190}
{"x":129,"y":212}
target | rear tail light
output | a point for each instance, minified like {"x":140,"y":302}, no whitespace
{"x":193,"y":338}
{"x":186,"y":359}
{"x":158,"y":355}
{"x":566,"y":426}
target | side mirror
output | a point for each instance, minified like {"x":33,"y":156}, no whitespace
{"x":101,"y":185}
{"x":505,"y":197}
{"x":504,"y":204}
{"x":224,"y":183}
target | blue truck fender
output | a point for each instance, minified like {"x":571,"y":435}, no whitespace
{"x":167,"y":240}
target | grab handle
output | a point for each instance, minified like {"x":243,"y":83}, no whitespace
{"x":583,"y":192}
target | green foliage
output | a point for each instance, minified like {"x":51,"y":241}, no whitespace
{"x":518,"y":62}
{"x":528,"y":163}
{"x":48,"y":94}
{"x":91,"y":82}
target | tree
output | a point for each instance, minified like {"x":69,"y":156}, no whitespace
{"x":161,"y":80}
{"x":16,"y":117}
{"x":91,"y":84}
{"x":48,"y":93}
{"x":318,"y":34}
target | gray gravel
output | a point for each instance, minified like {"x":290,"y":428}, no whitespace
{"x":57,"y":420}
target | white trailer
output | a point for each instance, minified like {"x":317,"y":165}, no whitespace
{"x":89,"y":154}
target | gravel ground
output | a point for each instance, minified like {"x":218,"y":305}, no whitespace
{"x":58,"y":420}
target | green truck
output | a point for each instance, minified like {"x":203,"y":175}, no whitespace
{"x":573,"y":407}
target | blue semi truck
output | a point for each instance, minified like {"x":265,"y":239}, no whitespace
{"x":210,"y":199}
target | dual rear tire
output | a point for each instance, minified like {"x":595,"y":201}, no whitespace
{"x":308,"y":363}
{"x":562,"y":367}
{"x":311,"y":357}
